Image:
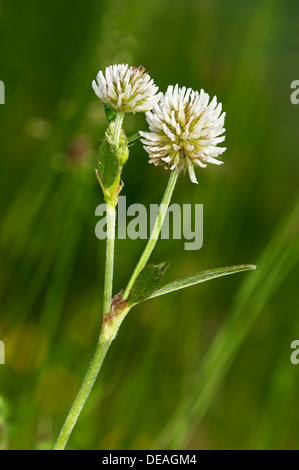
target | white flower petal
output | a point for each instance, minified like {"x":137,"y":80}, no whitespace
{"x":184,"y":130}
{"x":126,"y":89}
{"x":192,"y":173}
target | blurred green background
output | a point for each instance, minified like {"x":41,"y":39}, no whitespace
{"x":203,"y":368}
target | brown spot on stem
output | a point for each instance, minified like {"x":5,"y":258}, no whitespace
{"x":117,"y":306}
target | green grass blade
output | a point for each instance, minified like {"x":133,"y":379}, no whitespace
{"x":279,"y":257}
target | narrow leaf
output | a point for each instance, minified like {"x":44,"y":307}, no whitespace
{"x":133,"y":137}
{"x":201,"y":277}
{"x":148,"y":281}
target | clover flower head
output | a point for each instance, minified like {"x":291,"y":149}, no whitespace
{"x":126,"y":89}
{"x":185,"y":130}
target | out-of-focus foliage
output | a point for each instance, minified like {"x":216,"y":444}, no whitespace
{"x":205,"y":367}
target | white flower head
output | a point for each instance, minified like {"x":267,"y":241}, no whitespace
{"x":126,"y":89}
{"x":184,"y":130}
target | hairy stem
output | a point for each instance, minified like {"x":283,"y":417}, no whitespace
{"x":108,"y":333}
{"x":155,"y":232}
{"x":110,"y":329}
{"x":108,"y":283}
{"x":111,"y":212}
{"x":117,"y":128}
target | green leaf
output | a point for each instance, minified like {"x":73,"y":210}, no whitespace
{"x":108,"y":165}
{"x":148,"y":281}
{"x":200,"y":277}
{"x":109,"y":113}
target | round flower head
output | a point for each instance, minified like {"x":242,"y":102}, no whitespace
{"x":184,"y":130}
{"x":126,"y":89}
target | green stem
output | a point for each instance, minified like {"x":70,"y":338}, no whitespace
{"x":117,"y":128}
{"x":108,"y":333}
{"x":109,"y":329}
{"x":108,"y":283}
{"x":155,"y":232}
{"x":111,"y":211}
